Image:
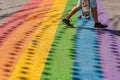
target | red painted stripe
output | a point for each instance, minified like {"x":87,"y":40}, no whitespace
{"x":16,"y":20}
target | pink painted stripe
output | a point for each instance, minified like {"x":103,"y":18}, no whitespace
{"x":16,"y":20}
{"x":109,"y":47}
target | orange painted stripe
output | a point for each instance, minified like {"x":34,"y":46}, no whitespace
{"x":14,"y":47}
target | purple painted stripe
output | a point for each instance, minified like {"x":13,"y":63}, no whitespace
{"x":109,"y":47}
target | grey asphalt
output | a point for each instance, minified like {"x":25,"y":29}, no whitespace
{"x":112,"y":8}
{"x":9,"y":7}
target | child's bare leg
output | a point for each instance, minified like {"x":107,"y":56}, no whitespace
{"x":95,"y":14}
{"x":66,"y":20}
{"x":72,"y":12}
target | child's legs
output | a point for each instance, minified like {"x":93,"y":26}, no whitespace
{"x":74,"y":10}
{"x":93,"y":5}
{"x":95,"y":14}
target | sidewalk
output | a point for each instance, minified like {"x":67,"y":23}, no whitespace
{"x":8,"y":8}
{"x":112,"y":9}
{"x":35,"y":45}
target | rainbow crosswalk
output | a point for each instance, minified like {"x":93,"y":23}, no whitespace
{"x":35,"y":45}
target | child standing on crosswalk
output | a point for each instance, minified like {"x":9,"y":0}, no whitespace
{"x":93,"y":6}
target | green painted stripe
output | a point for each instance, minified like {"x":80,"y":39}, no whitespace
{"x":59,"y":65}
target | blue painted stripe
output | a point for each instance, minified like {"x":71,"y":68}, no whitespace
{"x":87,"y":64}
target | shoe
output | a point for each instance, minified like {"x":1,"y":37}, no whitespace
{"x":67,"y":22}
{"x":100,"y":26}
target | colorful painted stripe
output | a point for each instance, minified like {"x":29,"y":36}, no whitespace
{"x":109,"y":47}
{"x":13,"y":49}
{"x":16,"y":20}
{"x":97,"y":57}
{"x":32,"y":62}
{"x":59,"y":65}
{"x":87,"y":62}
{"x":37,"y":46}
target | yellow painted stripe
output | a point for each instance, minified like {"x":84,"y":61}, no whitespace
{"x":32,"y":63}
